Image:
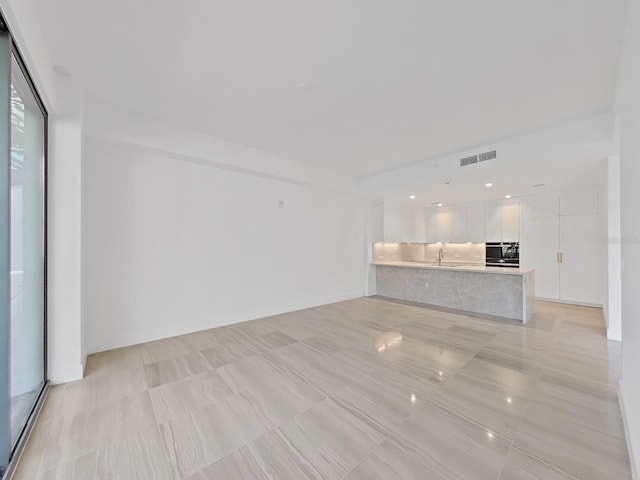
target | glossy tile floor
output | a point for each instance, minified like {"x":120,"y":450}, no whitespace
{"x":363,"y":389}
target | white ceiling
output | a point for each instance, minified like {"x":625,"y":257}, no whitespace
{"x":567,"y":158}
{"x":357,"y":86}
{"x":518,"y":179}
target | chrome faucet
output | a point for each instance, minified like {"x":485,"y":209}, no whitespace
{"x":440,"y":257}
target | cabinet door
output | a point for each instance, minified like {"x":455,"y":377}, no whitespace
{"x":431,"y":221}
{"x":582,"y":250}
{"x":411,"y":225}
{"x":579,"y":204}
{"x":421,"y":225}
{"x":493,"y":221}
{"x":459,"y":225}
{"x":444,"y":226}
{"x":395,"y":223}
{"x":377,"y":223}
{"x":539,"y":207}
{"x":539,"y":247}
{"x":476,"y":228}
{"x":511,"y":222}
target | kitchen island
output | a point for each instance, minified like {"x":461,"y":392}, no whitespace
{"x":495,"y":291}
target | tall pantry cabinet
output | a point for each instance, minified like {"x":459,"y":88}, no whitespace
{"x":560,"y":238}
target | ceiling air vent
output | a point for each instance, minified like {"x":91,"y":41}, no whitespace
{"x":468,"y":161}
{"x":492,"y":155}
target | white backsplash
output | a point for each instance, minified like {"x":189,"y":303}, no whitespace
{"x":466,"y":253}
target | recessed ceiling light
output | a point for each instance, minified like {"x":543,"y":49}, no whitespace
{"x":440,"y":204}
{"x":489,"y":185}
{"x":507,"y":196}
{"x":412,"y":197}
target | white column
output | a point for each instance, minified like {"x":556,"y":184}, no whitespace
{"x":65,"y":298}
{"x":64,"y":251}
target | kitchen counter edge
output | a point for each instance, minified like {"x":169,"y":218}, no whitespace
{"x":461,"y":268}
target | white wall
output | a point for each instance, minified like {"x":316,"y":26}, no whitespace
{"x":157,"y":163}
{"x":628,"y":109}
{"x":613,"y":305}
{"x":63,"y":101}
{"x":177,"y":243}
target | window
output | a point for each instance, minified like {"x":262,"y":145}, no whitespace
{"x":23,"y":128}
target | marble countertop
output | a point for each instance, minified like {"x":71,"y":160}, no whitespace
{"x":456,"y":267}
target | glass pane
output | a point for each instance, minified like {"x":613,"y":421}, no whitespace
{"x":27,"y":250}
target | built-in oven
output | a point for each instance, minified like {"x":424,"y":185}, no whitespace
{"x":503,"y":254}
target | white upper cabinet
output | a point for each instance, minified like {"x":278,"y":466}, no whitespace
{"x":539,"y":207}
{"x":420,"y":222}
{"x":377,"y":222}
{"x":431,"y":222}
{"x":411,"y":226}
{"x":444,"y":226}
{"x":511,"y":222}
{"x":437,"y":225}
{"x":394,"y":223}
{"x":476,"y":228}
{"x":458,"y":225}
{"x":579,"y":204}
{"x":493,"y":221}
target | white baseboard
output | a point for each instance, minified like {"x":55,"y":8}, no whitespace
{"x":66,"y":373}
{"x":567,"y":302}
{"x":627,"y":434}
{"x":613,"y":336}
{"x":239,"y":317}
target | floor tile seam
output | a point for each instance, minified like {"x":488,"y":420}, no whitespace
{"x":546,"y":400}
{"x":515,"y":435}
{"x":165,"y":449}
{"x":296,"y":450}
{"x":110,"y":404}
{"x":544,"y":462}
{"x":145,"y":386}
{"x":275,"y":427}
{"x":603,"y":386}
{"x":275,"y":365}
{"x":388,"y":434}
{"x":94,"y":450}
{"x":246,"y":442}
{"x":523,"y":359}
{"x":493,"y":382}
{"x":465,"y":418}
{"x":327,"y":394}
{"x":532,"y":455}
{"x":339,"y":400}
{"x":529,"y":406}
{"x":89,"y":410}
{"x":215,"y":402}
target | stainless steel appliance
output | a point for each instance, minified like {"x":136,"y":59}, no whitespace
{"x":501,"y":254}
